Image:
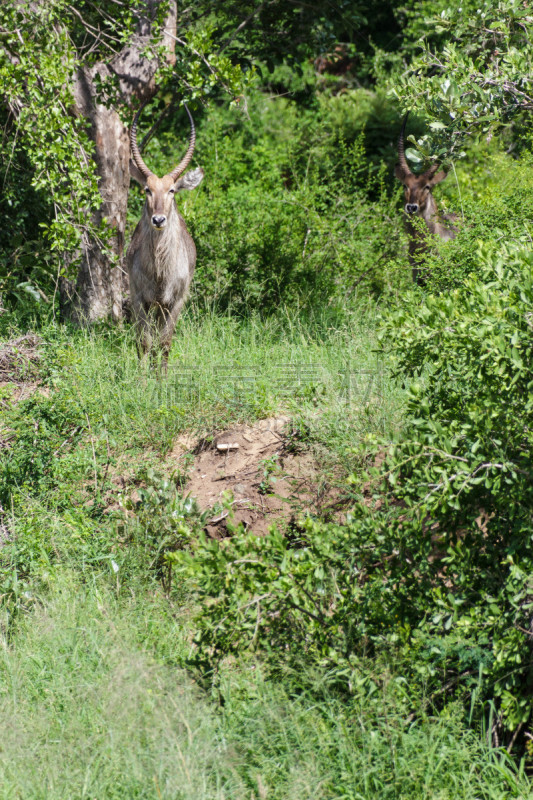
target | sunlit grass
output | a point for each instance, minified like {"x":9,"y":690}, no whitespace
{"x":93,"y":705}
{"x":105,"y":418}
{"x":95,"y":697}
{"x":222,"y":370}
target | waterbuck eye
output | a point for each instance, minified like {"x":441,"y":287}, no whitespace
{"x":172,"y":191}
{"x":147,"y":190}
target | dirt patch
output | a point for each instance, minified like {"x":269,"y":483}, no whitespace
{"x":269,"y":481}
{"x":19,"y":369}
{"x":16,"y":392}
{"x":19,"y":358}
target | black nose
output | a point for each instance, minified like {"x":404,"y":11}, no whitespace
{"x":411,"y":208}
{"x":158,"y":220}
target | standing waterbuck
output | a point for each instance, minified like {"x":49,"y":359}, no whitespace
{"x":419,"y":202}
{"x":161,"y":256}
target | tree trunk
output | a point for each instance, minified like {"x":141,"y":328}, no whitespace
{"x":99,"y":290}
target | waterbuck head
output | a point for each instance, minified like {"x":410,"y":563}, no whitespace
{"x":159,"y":206}
{"x":417,"y":188}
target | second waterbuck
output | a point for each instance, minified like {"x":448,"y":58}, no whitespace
{"x":422,"y":215}
{"x":161,"y":256}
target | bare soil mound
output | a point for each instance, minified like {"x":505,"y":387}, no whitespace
{"x":270,"y":480}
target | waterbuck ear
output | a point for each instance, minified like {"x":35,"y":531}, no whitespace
{"x":400,"y":173}
{"x":136,"y":173}
{"x":434,"y":179}
{"x":190,"y":180}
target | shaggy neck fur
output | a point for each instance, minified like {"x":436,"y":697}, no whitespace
{"x":164,"y":244}
{"x":429,"y":212}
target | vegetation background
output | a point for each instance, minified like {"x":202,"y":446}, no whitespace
{"x":386,"y":652}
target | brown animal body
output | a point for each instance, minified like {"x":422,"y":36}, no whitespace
{"x":420,"y":205}
{"x":161,"y":257}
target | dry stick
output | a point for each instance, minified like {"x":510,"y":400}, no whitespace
{"x":305,"y":242}
{"x":76,"y":430}
{"x":215,"y":520}
{"x":513,"y":738}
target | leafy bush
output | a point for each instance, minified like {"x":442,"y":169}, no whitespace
{"x":469,"y":73}
{"x":495,"y":194}
{"x":33,"y":466}
{"x":464,"y":465}
{"x":291,"y":210}
{"x":436,"y":575}
{"x":162,"y":520}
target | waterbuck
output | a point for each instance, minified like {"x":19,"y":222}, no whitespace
{"x":419,"y":202}
{"x":161,"y":256}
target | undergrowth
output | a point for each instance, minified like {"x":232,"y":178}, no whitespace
{"x":90,"y":434}
{"x":93,"y":704}
{"x":98,"y":632}
{"x":339,"y":660}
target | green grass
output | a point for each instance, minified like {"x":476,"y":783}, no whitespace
{"x":222,"y":370}
{"x":85,"y":712}
{"x":92,"y":705}
{"x":107,"y":419}
{"x":107,"y":416}
{"x":364,"y":748}
{"x":95,"y":697}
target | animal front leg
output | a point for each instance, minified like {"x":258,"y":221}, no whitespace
{"x":166,"y":331}
{"x":143,"y":329}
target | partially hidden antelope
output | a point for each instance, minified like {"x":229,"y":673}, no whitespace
{"x":419,"y":202}
{"x":161,"y":256}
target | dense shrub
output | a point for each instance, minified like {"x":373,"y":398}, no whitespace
{"x":494,"y":198}
{"x":437,"y":575}
{"x":300,"y":205}
{"x":291,"y":210}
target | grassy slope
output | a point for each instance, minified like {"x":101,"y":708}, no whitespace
{"x":94,"y":700}
{"x":105,"y":419}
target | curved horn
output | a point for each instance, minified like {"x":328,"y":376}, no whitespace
{"x":184,"y":163}
{"x":432,"y":170}
{"x":401,"y":148}
{"x":135,"y":152}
